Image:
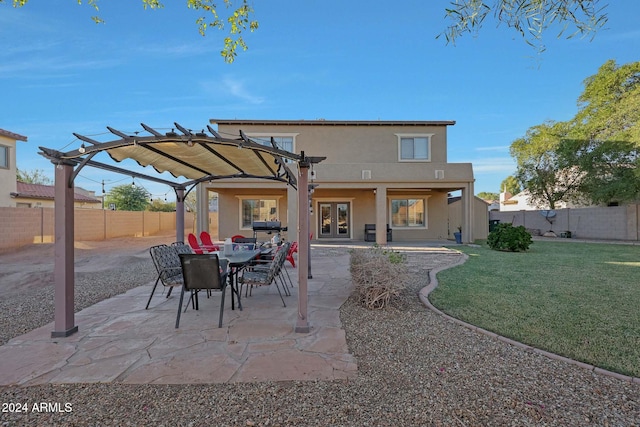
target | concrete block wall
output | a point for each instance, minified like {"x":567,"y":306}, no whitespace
{"x":22,"y":226}
{"x":89,"y":224}
{"x":600,"y":223}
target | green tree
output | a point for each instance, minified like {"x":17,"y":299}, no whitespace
{"x":603,"y":138}
{"x":235,"y":17}
{"x":593,"y":157}
{"x":157,"y":205}
{"x":530,"y":18}
{"x":36,"y":176}
{"x":541,"y":169}
{"x":511,"y":185}
{"x":128,"y":197}
{"x":484,"y":195}
{"x":608,"y":169}
{"x":609,"y":106}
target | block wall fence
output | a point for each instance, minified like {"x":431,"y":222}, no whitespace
{"x":25,"y":226}
{"x":601,"y":223}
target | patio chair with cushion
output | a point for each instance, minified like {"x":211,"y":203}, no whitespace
{"x":265,"y":275}
{"x":182,"y":248}
{"x":202,"y":272}
{"x":287,"y":249}
{"x":167,"y":262}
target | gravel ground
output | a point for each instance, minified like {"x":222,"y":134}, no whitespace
{"x":33,"y":308}
{"x":415,"y":369}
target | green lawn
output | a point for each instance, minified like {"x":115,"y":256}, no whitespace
{"x":579,"y":300}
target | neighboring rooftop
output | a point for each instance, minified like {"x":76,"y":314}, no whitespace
{"x":12,"y":135}
{"x":40,"y":191}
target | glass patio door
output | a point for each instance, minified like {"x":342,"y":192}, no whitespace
{"x":334,"y":220}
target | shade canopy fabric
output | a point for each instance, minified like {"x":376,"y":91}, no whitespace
{"x":191,"y":157}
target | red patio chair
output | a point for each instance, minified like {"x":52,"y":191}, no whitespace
{"x":193,"y":242}
{"x":292,"y":250}
{"x":207,"y":244}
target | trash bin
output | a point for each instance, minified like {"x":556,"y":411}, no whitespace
{"x":492,"y":224}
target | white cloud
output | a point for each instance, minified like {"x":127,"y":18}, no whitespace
{"x":494,"y":148}
{"x":494,"y":164}
{"x":234,"y":87}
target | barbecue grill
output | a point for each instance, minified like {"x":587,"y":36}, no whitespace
{"x":267,"y":227}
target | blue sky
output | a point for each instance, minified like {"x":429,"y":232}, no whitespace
{"x":359,"y":60}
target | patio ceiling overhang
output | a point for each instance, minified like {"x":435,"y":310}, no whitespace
{"x":191,"y":158}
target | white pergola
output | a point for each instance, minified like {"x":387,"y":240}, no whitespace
{"x":191,"y":158}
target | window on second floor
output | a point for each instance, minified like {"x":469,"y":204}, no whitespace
{"x":4,"y":157}
{"x":283,"y":142}
{"x":414,"y":148}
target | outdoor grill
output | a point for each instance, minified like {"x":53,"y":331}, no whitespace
{"x":267,"y":227}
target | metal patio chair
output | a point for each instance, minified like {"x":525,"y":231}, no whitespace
{"x":167,"y":262}
{"x":265,"y":275}
{"x":201,"y":272}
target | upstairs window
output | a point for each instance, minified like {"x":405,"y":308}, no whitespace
{"x":4,"y":157}
{"x":283,"y":142}
{"x":414,"y":148}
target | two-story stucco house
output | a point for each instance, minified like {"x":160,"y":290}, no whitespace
{"x":391,"y":173}
{"x":8,"y":168}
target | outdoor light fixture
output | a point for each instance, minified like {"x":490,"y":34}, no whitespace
{"x":133,"y":182}
{"x":82,"y":148}
{"x":190,"y":142}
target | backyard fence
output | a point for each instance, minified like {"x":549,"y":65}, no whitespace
{"x":600,"y":223}
{"x":24,"y":226}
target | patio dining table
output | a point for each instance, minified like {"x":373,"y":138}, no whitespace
{"x":238,"y":260}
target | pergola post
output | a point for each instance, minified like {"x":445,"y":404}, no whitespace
{"x":179,"y":214}
{"x":63,"y":272}
{"x":302,"y":323}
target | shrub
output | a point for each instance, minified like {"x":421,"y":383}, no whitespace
{"x":378,"y":275}
{"x":506,"y":237}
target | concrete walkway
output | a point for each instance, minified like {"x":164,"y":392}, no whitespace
{"x":120,"y":341}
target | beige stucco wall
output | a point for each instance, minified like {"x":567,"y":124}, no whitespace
{"x":340,"y":144}
{"x":363,"y":212}
{"x":8,"y":176}
{"x":229,"y":201}
{"x":480,"y":218}
{"x":359,"y":160}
